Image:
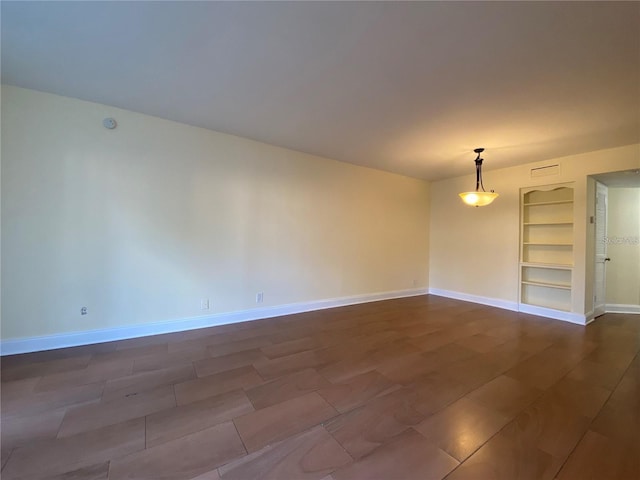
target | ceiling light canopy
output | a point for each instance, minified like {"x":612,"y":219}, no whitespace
{"x":479,"y":198}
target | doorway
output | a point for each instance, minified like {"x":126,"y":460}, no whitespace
{"x":616,"y":253}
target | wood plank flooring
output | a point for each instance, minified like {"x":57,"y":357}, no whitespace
{"x":423,"y":387}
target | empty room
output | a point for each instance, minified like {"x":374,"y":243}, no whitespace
{"x":320,"y":240}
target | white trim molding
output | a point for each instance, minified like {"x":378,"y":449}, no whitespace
{"x":492,"y":302}
{"x":577,"y":318}
{"x":571,"y":317}
{"x":590,"y":317}
{"x":621,"y":308}
{"x":74,"y":339}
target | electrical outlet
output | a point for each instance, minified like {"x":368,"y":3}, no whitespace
{"x":83,"y":311}
{"x":259,"y":297}
{"x":204,"y":304}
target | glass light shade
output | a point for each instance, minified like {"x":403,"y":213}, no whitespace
{"x":478,"y":199}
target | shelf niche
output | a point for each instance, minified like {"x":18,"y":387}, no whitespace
{"x":546,"y":246}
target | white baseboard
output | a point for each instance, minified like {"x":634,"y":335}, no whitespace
{"x":590,"y":317}
{"x":74,"y":339}
{"x":492,"y":302}
{"x":571,"y":317}
{"x":621,"y":308}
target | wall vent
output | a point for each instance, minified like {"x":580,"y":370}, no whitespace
{"x":545,"y":171}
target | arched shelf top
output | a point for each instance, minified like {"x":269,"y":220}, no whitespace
{"x":551,"y":195}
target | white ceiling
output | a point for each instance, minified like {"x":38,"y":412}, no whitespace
{"x":411,"y":88}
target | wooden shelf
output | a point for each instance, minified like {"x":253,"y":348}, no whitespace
{"x":558,"y":266}
{"x":547,"y":285}
{"x":546,"y":224}
{"x":554,"y":202}
{"x":548,"y":244}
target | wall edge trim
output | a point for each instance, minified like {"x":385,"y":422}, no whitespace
{"x":492,"y":302}
{"x":590,"y":317}
{"x":571,"y":317}
{"x":87,"y":337}
{"x":621,"y":308}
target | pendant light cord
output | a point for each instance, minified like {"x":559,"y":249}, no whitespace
{"x":479,"y":174}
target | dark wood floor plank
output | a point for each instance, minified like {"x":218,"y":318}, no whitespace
{"x":39,"y":369}
{"x":162,"y":360}
{"x":278,"y":367}
{"x":506,"y":457}
{"x":223,"y":363}
{"x":362,"y":430}
{"x":285,"y":388}
{"x":290,"y":347}
{"x":597,"y":374}
{"x":19,"y":430}
{"x":366,"y":361}
{"x":71,"y":453}
{"x":287,"y":418}
{"x":183,"y":420}
{"x":406,"y":368}
{"x":95,"y":372}
{"x":181,"y":459}
{"x":310,"y":455}
{"x":578,"y":397}
{"x":356,"y":391}
{"x":434,"y":391}
{"x":18,"y":390}
{"x":212,"y":385}
{"x":210,"y":475}
{"x":93,"y":472}
{"x":626,"y":395}
{"x":551,"y":427}
{"x":137,"y":383}
{"x":546,"y":367}
{"x":130,"y":353}
{"x":480,"y":342}
{"x":5,"y":453}
{"x":617,"y":423}
{"x":237,"y":346}
{"x":90,"y":417}
{"x":42,"y":402}
{"x":462,"y":427}
{"x":505,"y":395}
{"x":597,"y":457}
{"x":407,"y":456}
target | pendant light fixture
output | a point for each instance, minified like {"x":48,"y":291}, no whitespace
{"x":479,"y":198}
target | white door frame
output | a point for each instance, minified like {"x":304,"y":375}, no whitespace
{"x":601,"y":259}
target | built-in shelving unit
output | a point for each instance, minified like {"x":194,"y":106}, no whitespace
{"x":546,"y":246}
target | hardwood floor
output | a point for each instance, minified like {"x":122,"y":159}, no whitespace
{"x":423,"y":387}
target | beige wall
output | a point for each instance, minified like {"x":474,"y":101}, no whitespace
{"x":623,"y":247}
{"x":141,"y":222}
{"x":474,"y":251}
